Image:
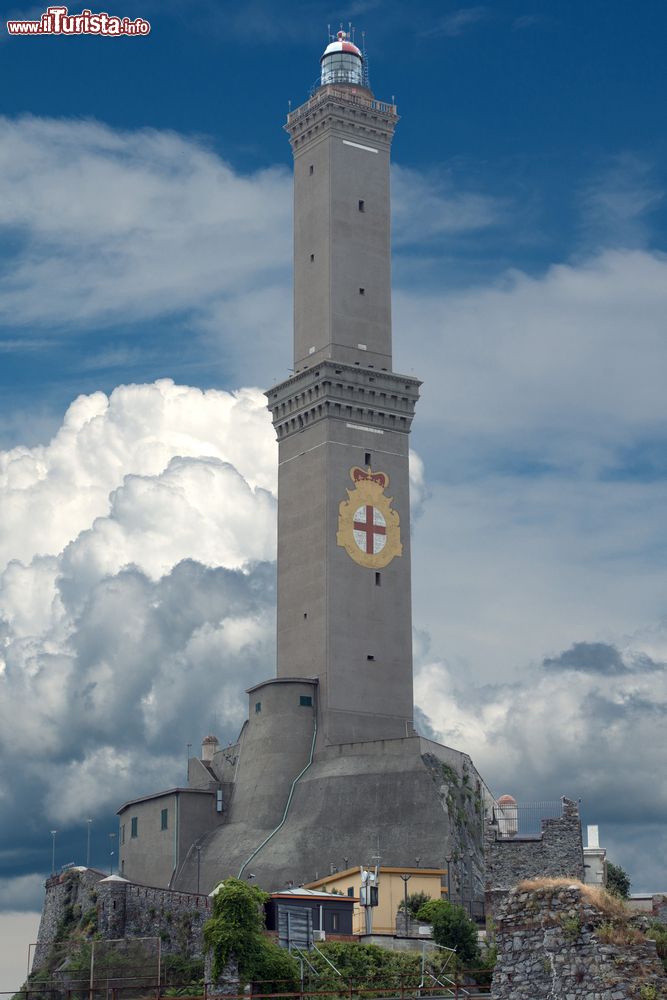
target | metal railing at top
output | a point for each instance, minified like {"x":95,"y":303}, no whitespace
{"x":331,"y":90}
{"x":524,"y":819}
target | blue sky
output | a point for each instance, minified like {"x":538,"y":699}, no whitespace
{"x":145,"y":214}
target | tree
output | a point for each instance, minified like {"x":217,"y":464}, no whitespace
{"x":234,"y":932}
{"x":618,"y":881}
{"x":452,"y":928}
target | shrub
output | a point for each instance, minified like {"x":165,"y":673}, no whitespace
{"x":235,"y":931}
{"x":618,"y":881}
{"x":452,"y":928}
{"x":415,"y":902}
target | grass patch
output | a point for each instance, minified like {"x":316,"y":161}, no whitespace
{"x":610,"y":905}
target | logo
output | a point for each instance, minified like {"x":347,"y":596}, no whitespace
{"x":58,"y":21}
{"x":368,"y":528}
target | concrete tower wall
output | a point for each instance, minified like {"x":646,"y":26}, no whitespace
{"x":332,"y":613}
{"x":341,"y":142}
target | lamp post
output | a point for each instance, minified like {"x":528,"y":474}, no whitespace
{"x":53,"y":851}
{"x":89,"y":822}
{"x":406,"y":879}
{"x":112,"y":837}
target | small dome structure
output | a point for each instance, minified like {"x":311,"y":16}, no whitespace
{"x":342,"y":62}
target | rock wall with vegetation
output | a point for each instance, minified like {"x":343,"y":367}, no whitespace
{"x":557,"y":939}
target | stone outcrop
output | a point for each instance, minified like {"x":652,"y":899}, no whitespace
{"x":558,"y":940}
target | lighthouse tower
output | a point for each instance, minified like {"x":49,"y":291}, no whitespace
{"x":343,"y":421}
{"x":328,"y":767}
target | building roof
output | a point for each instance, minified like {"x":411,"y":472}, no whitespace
{"x":303,"y":893}
{"x":383,"y":870}
{"x":160,"y":795}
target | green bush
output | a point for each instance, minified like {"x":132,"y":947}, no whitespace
{"x":415,"y":902}
{"x":618,"y":881}
{"x":234,"y":931}
{"x":658,"y":933}
{"x":452,"y":928}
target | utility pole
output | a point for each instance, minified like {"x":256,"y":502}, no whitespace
{"x":111,"y":840}
{"x":406,"y":879}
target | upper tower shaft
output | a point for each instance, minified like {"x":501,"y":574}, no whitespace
{"x":341,"y":140}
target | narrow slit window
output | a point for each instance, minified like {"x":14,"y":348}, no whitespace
{"x":311,"y":169}
{"x":305,"y":614}
{"x":362,"y":291}
{"x":164,"y":819}
{"x":258,"y":707}
{"x":378,"y":580}
{"x":312,"y":257}
{"x":362,"y":205}
{"x":367,"y":458}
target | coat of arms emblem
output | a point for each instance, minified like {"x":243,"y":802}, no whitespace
{"x":368,"y":528}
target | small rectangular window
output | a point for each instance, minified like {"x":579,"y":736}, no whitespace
{"x":362,"y":205}
{"x":311,"y":169}
{"x":362,"y":291}
{"x":164,"y":819}
{"x":258,"y":707}
{"x":122,"y":834}
{"x":350,"y":890}
{"x":334,"y":921}
{"x":378,"y":580}
{"x":306,"y":700}
{"x":370,"y":657}
{"x":134,"y":828}
{"x":367,"y":458}
{"x":312,"y":257}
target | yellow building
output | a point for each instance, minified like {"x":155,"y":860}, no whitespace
{"x":391,"y":889}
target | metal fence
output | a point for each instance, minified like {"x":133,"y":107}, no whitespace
{"x":524,"y":819}
{"x":472,"y":985}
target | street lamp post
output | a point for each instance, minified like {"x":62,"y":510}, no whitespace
{"x":53,"y":851}
{"x":406,"y":879}
{"x":112,"y":837}
{"x":89,"y":822}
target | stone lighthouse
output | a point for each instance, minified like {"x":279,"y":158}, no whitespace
{"x":343,"y":422}
{"x":328,"y":767}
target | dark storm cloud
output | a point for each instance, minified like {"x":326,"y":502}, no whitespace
{"x":595,"y":657}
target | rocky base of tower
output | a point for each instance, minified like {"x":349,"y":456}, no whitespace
{"x":401,"y":799}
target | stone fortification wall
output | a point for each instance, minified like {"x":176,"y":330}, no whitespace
{"x":568,"y":941}
{"x":177,"y":918}
{"x":83,"y":902}
{"x":70,"y":897}
{"x":557,"y":852}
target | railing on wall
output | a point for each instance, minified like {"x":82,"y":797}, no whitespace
{"x":524,"y":819}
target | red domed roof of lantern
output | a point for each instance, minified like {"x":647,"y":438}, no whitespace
{"x":342,"y":44}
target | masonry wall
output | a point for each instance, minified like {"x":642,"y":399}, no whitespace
{"x":555,"y":853}
{"x":68,"y":897}
{"x":555,"y":942}
{"x":177,"y":918}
